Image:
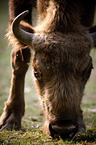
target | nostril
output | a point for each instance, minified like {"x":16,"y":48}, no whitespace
{"x":63,"y":129}
{"x":53,"y":133}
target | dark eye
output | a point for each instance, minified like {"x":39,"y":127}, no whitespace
{"x":37,"y":74}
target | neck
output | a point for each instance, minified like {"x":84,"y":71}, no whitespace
{"x":61,"y":16}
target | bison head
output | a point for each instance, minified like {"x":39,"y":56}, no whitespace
{"x":62,"y":66}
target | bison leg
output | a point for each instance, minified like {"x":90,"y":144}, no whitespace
{"x":14,"y":107}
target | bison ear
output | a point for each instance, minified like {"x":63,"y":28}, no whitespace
{"x":20,"y":34}
{"x":93,"y":36}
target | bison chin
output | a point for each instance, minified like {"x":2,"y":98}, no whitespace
{"x":66,"y":129}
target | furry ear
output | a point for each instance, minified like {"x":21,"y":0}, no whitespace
{"x":92,"y":33}
{"x":92,"y":29}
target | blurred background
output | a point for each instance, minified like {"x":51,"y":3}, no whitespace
{"x":5,"y":69}
{"x":32,"y":105}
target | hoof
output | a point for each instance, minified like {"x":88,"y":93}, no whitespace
{"x":11,"y":123}
{"x":10,"y":127}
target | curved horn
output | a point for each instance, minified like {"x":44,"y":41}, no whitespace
{"x":21,"y":35}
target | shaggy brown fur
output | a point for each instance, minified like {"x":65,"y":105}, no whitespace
{"x":61,"y":63}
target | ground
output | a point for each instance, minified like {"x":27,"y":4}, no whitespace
{"x":32,"y":122}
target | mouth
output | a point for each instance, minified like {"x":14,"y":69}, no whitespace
{"x":65,"y":129}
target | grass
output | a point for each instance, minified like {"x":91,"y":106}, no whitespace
{"x":32,"y":122}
